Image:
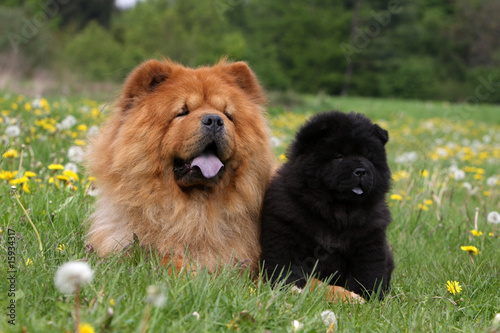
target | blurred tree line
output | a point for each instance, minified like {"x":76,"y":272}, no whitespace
{"x":425,"y":49}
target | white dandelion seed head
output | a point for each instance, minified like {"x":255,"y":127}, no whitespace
{"x":296,"y":325}
{"x":36,"y":103}
{"x":196,"y":315}
{"x":329,"y":318}
{"x":155,"y":296}
{"x":296,"y":290}
{"x":75,"y":154}
{"x":275,"y":142}
{"x":71,"y":167}
{"x":492,"y":181}
{"x":458,"y":174}
{"x":493,"y":217}
{"x":442,"y":152}
{"x":467,"y":186}
{"x":92,"y":131}
{"x":73,"y":275}
{"x":67,"y":123}
{"x":13,"y":131}
{"x":408,"y":157}
{"x":496,"y":320}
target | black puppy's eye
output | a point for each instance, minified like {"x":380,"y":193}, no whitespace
{"x":338,"y":156}
{"x":228,"y":115}
{"x":184,"y":112}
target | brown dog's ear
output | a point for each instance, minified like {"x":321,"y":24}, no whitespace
{"x":245,"y":78}
{"x":143,"y":80}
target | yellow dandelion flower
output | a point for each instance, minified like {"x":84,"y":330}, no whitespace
{"x":21,"y":180}
{"x":402,"y":174}
{"x":14,"y":106}
{"x":63,"y":178}
{"x":486,"y":193}
{"x":82,"y":127}
{"x":91,"y":179}
{"x":484,"y":155}
{"x":44,"y":104}
{"x":424,"y":173}
{"x":26,"y":188}
{"x":95,"y":112}
{"x":470,"y":169}
{"x":112,"y":302}
{"x":283,"y":158}
{"x":470,"y":249}
{"x":52,"y":181}
{"x":480,"y":171}
{"x":11,"y":153}
{"x":453,"y":287}
{"x":79,"y":142}
{"x":7,"y":175}
{"x":71,"y":174}
{"x":474,"y":232}
{"x":491,"y":234}
{"x":422,"y":207}
{"x":61,"y":248}
{"x":29,"y":262}
{"x":428,"y":202}
{"x":396,"y":197}
{"x":56,"y":167}
{"x":86,"y":328}
{"x":29,"y":174}
{"x":0,"y":231}
{"x":28,"y":107}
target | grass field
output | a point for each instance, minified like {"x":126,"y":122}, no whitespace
{"x":445,"y":160}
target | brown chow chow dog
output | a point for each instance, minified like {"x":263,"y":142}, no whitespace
{"x":183,"y":163}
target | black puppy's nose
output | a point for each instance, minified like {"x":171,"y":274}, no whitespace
{"x":213,"y":122}
{"x":359,"y":172}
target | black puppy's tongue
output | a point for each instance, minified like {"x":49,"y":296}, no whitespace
{"x":358,"y":190}
{"x":208,"y":163}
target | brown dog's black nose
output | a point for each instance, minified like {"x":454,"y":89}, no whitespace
{"x":359,"y":172}
{"x":213,"y":122}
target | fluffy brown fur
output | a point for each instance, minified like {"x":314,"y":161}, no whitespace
{"x":141,"y":161}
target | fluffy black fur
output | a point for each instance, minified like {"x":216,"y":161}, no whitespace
{"x":325,"y":210}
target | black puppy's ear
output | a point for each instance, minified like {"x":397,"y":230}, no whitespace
{"x":308,"y":136}
{"x":381,"y":133}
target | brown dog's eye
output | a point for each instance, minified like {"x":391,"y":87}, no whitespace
{"x":228,"y":115}
{"x":184,"y":111}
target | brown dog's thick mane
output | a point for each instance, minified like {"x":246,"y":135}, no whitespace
{"x":133,"y":162}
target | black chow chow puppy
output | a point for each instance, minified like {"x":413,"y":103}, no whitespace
{"x":325,"y":214}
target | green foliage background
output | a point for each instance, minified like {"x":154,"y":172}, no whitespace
{"x":428,"y":49}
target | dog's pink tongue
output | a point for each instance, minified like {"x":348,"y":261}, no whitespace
{"x":209,"y":165}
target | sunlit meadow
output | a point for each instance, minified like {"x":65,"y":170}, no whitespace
{"x":445,"y":233}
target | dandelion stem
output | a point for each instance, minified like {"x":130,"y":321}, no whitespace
{"x":475,"y":218}
{"x":145,"y":319}
{"x":77,"y":310}
{"x":21,"y":159}
{"x":40,"y":246}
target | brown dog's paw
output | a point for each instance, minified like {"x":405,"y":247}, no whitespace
{"x":336,"y":294}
